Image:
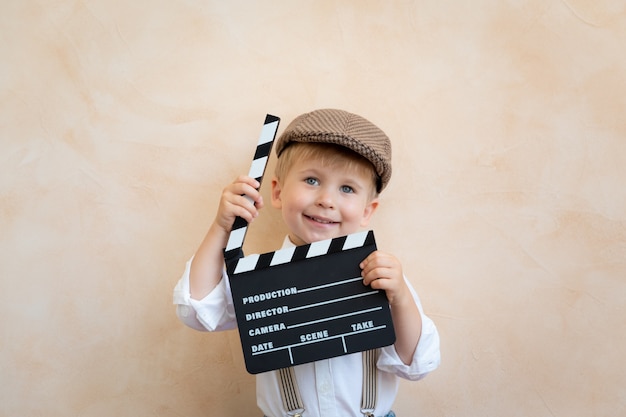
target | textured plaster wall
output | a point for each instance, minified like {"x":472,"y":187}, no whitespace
{"x":121,"y":121}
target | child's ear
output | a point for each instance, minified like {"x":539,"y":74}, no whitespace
{"x":276,"y":201}
{"x":369,"y":210}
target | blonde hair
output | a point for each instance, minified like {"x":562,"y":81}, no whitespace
{"x":328,"y":155}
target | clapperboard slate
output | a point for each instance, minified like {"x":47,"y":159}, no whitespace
{"x":304,"y":303}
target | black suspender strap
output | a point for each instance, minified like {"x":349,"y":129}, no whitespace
{"x":368,"y":398}
{"x":290,"y":392}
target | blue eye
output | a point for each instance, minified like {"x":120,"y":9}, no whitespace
{"x":311,"y":181}
{"x":346,"y":189}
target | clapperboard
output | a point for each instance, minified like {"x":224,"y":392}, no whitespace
{"x":305,"y":303}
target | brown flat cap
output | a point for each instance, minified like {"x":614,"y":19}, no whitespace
{"x":345,"y":129}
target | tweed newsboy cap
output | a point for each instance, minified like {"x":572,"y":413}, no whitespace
{"x":345,"y":129}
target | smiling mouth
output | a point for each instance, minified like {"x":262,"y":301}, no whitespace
{"x":318,"y":220}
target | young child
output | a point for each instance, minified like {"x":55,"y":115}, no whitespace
{"x":331,"y":167}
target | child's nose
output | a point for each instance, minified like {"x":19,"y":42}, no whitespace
{"x":325,"y":198}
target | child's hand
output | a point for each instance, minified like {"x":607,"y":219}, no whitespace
{"x":383,"y":271}
{"x":240,"y":198}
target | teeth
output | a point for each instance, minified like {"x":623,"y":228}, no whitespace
{"x":321,"y":221}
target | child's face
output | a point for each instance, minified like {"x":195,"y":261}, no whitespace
{"x":322,"y":202}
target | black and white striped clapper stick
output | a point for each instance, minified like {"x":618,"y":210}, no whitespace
{"x":237,"y":235}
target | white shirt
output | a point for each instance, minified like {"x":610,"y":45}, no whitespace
{"x":329,"y":387}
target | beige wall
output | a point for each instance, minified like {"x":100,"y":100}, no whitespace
{"x":121,"y":121}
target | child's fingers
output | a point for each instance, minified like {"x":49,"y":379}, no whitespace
{"x":239,"y":199}
{"x":373,"y":276}
{"x":244,"y":210}
{"x":247,"y":183}
{"x":380,"y":266}
{"x":247,"y":187}
{"x":378,"y":259}
{"x":247,"y":180}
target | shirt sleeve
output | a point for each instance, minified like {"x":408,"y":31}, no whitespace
{"x":426,"y":358}
{"x":215,"y":312}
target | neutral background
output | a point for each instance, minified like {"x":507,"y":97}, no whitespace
{"x":121,"y":121}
